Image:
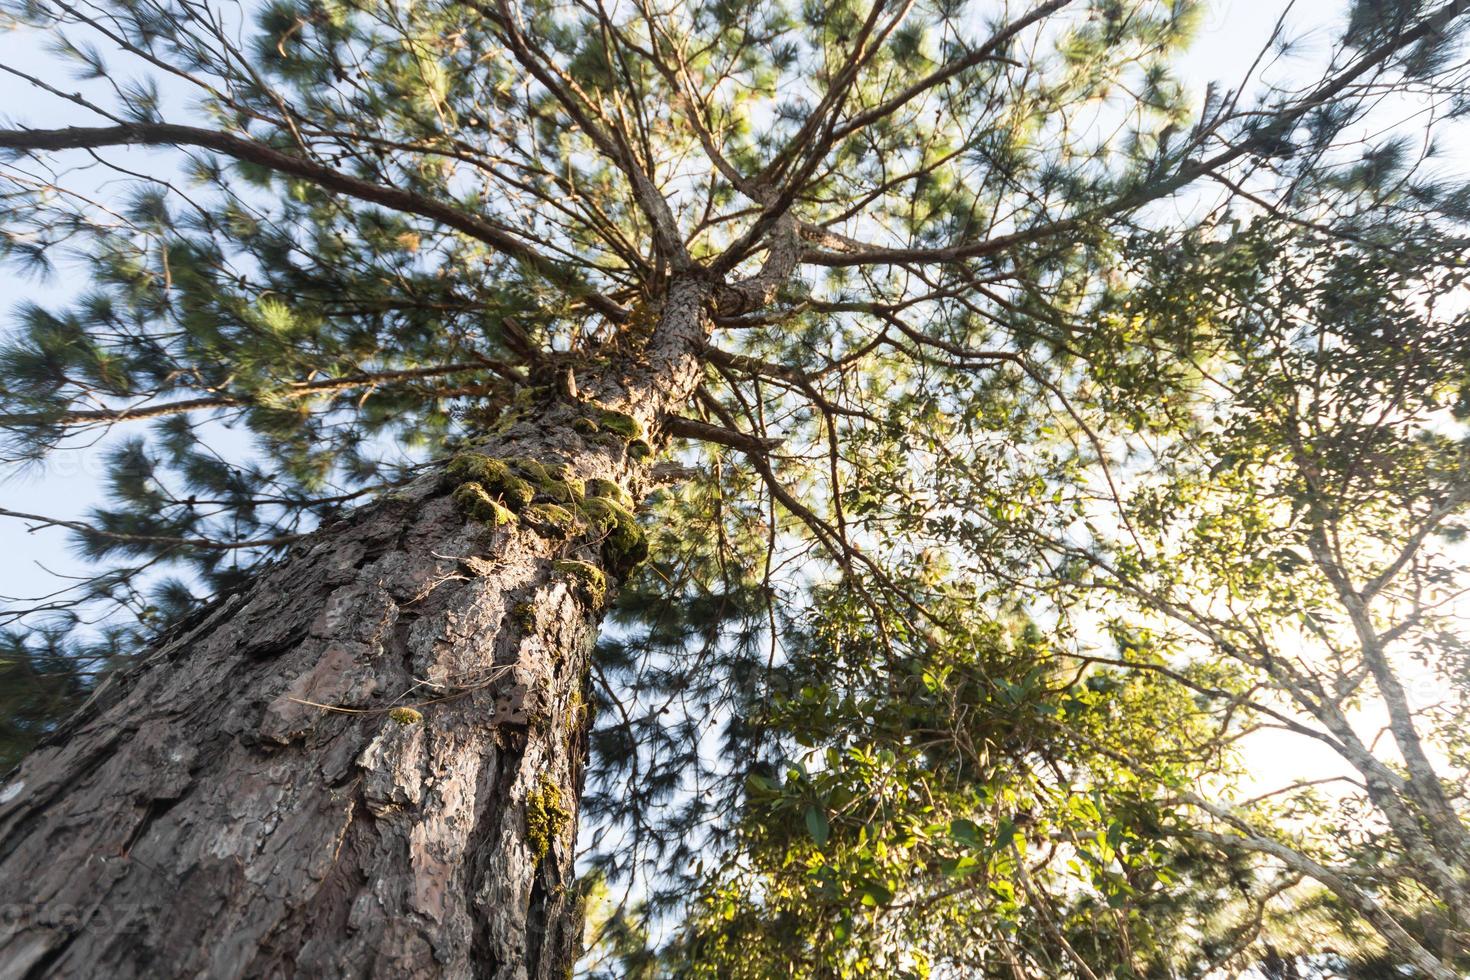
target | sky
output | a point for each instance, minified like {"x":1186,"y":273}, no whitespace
{"x":1232,"y":33}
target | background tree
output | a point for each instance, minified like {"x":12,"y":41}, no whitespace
{"x":1310,"y":539}
{"x":1286,"y":542}
{"x":472,"y":267}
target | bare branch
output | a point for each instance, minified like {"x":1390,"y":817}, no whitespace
{"x":687,"y":428}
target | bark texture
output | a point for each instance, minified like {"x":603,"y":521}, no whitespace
{"x":365,"y":764}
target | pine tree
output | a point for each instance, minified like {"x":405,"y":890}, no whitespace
{"x":737,"y":316}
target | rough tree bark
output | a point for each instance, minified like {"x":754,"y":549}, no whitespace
{"x":368,"y":762}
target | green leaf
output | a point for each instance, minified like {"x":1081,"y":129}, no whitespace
{"x":816,"y":825}
{"x":966,"y":832}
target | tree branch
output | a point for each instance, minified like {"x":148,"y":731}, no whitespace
{"x":209,"y":543}
{"x":297,"y":390}
{"x":687,"y":428}
{"x":251,"y":151}
{"x":856,"y":254}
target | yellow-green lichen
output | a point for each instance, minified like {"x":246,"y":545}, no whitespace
{"x":546,"y":816}
{"x":582,"y":708}
{"x":562,"y":472}
{"x":524,"y":614}
{"x":406,"y":716}
{"x":546,"y":495}
{"x":588,"y":578}
{"x":476,"y":503}
{"x":477,"y":467}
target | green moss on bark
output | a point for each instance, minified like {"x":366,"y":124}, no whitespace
{"x":476,"y":503}
{"x":623,"y":542}
{"x":551,"y":520}
{"x":552,"y":502}
{"x":620,"y":423}
{"x":495,"y":476}
{"x":551,"y":481}
{"x":598,"y":487}
{"x":588,"y":578}
{"x":546,"y":816}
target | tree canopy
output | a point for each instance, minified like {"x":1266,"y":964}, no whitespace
{"x":1065,"y":430}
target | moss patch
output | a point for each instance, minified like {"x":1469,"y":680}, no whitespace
{"x":588,"y":578}
{"x":554,"y":503}
{"x":531,"y":395}
{"x":406,"y":716}
{"x":476,"y":503}
{"x":495,"y":476}
{"x":619,"y":423}
{"x":492,"y":490}
{"x":550,"y":520}
{"x":639,"y":449}
{"x":546,"y":816}
{"x":623,"y":542}
{"x":598,"y":487}
{"x":507,"y":420}
{"x":550,"y":480}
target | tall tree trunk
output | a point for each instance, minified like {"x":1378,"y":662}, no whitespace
{"x":368,"y":762}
